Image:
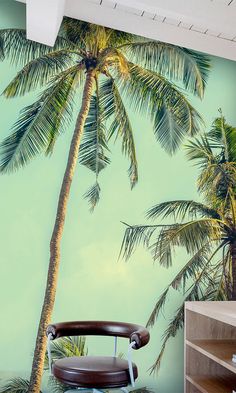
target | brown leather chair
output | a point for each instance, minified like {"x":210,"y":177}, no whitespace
{"x":97,"y":372}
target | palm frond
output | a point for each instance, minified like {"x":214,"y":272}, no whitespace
{"x":112,"y":59}
{"x":223,"y":136}
{"x":117,"y":37}
{"x":158,"y":308}
{"x":180,"y":209}
{"x":175,"y":324}
{"x":176,"y":63}
{"x":120,"y":126}
{"x":15,"y":385}
{"x":216,"y":288}
{"x":134,"y":236}
{"x":55,"y":386}
{"x":38,"y":72}
{"x":200,"y":150}
{"x":216,"y":182}
{"x":93,"y":195}
{"x":67,"y":347}
{"x":61,"y":348}
{"x":190,"y":270}
{"x":94,"y":144}
{"x":40,"y":123}
{"x":75,"y":31}
{"x":191,"y":235}
{"x":1,"y":48}
{"x":15,"y":46}
{"x":196,"y":292}
{"x":172,"y":115}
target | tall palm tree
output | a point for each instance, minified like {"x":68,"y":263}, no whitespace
{"x":111,"y":69}
{"x":206,"y":230}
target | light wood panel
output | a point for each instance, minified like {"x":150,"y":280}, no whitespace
{"x":209,"y":346}
{"x":221,"y":311}
{"x":198,"y":364}
{"x":212,"y":384}
{"x":220,"y":351}
{"x":203,"y":327}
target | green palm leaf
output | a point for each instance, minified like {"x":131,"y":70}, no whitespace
{"x":40,"y":123}
{"x":191,"y":235}
{"x":75,"y":31}
{"x":175,"y":63}
{"x":120,"y":126}
{"x":15,"y":46}
{"x":38,"y":72}
{"x":175,"y":324}
{"x":94,"y":144}
{"x":200,"y":151}
{"x":211,"y":153}
{"x":93,"y":195}
{"x":16,"y":385}
{"x":223,"y":136}
{"x":66,"y":347}
{"x":136,"y":235}
{"x":155,"y":96}
{"x":190,"y":270}
{"x":180,"y":209}
{"x":61,"y":348}
{"x":195,"y":293}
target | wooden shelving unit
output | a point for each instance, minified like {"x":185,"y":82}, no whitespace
{"x":210,"y":342}
{"x":211,"y":385}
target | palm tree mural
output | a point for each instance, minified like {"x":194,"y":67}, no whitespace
{"x":109,"y":71}
{"x":207,"y":231}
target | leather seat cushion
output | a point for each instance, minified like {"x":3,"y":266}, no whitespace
{"x":93,"y":371}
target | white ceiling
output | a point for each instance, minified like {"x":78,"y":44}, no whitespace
{"x":204,"y":25}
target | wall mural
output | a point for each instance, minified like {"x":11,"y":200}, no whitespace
{"x":76,"y":241}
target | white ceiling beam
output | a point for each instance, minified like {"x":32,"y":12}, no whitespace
{"x":121,"y":20}
{"x":214,"y":15}
{"x":44,"y":18}
{"x":47,"y":16}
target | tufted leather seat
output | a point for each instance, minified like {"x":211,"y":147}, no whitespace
{"x":90,"y":371}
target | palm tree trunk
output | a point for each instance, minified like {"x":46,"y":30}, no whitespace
{"x":50,"y":292}
{"x":233,"y":258}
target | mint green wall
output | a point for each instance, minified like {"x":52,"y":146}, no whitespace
{"x":92,"y":283}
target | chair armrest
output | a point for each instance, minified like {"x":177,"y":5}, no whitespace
{"x":136,"y":333}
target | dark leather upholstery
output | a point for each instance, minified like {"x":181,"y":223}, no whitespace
{"x":134,"y":332}
{"x":93,"y":372}
{"x":96,"y":371}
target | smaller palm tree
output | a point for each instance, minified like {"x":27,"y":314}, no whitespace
{"x":61,"y":348}
{"x":16,"y":385}
{"x":66,"y":347}
{"x":207,"y":231}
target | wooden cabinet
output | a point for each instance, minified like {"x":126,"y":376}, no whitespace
{"x":210,"y":342}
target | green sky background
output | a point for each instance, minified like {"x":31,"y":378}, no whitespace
{"x":93,"y":284}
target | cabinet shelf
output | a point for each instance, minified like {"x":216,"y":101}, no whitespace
{"x":212,"y":384}
{"x":210,"y":342}
{"x":220,"y":351}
